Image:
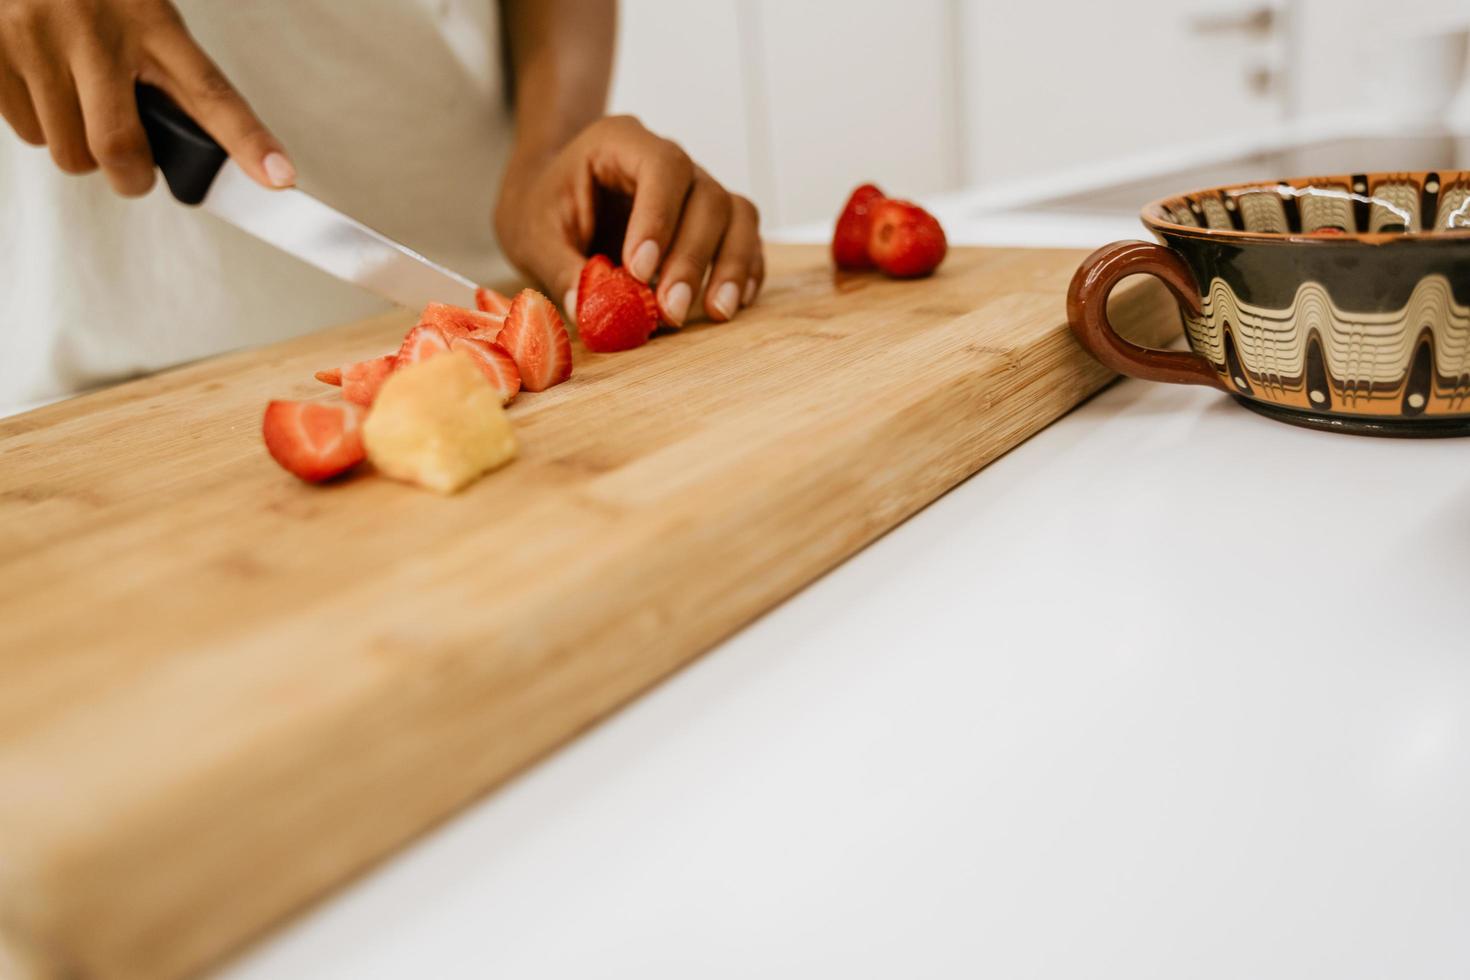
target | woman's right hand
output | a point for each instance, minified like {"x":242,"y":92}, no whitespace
{"x":67,"y":75}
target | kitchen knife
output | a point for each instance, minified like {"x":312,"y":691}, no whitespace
{"x":199,"y":172}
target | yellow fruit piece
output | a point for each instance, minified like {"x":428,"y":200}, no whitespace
{"x":438,"y":423}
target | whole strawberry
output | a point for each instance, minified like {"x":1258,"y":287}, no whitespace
{"x":850,"y":237}
{"x":614,"y":310}
{"x":905,"y":241}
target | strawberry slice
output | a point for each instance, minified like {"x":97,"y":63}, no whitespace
{"x":537,"y":339}
{"x":422,"y":342}
{"x":454,"y":321}
{"x":906,"y":241}
{"x":614,"y":310}
{"x":850,"y":237}
{"x":495,"y":361}
{"x":489,"y":301}
{"x":314,"y":440}
{"x":330,"y":376}
{"x":361,"y":381}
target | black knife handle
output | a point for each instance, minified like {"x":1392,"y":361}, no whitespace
{"x":188,"y":156}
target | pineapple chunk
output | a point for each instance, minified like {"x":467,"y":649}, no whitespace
{"x":438,"y":423}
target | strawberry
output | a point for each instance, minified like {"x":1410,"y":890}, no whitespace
{"x":361,"y":381}
{"x":489,"y":301}
{"x":537,"y":340}
{"x":614,"y":310}
{"x":850,"y":237}
{"x":422,"y":342}
{"x":906,"y":240}
{"x":314,"y":440}
{"x":454,"y":321}
{"x":495,"y":361}
{"x":330,"y":376}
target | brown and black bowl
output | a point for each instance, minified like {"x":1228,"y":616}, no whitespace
{"x":1339,"y":303}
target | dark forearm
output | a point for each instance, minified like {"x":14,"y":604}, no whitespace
{"x":560,"y":61}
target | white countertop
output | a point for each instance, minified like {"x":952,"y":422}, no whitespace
{"x":1170,"y":691}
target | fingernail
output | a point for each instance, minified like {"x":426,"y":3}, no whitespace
{"x":749,"y":297}
{"x":279,"y":169}
{"x":727,"y":300}
{"x":569,"y":304}
{"x":676,"y":302}
{"x":645,"y":261}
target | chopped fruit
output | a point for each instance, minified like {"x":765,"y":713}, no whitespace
{"x":453,"y":321}
{"x":314,"y":440}
{"x":330,"y":376}
{"x":439,"y":424}
{"x":489,"y":301}
{"x":422,"y":343}
{"x":361,"y":381}
{"x":850,"y":238}
{"x":537,"y":340}
{"x":496,"y":363}
{"x":614,"y":310}
{"x":906,"y":240}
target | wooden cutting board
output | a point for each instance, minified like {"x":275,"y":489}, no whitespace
{"x":224,"y":692}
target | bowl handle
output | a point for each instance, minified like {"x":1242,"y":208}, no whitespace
{"x":1087,"y":311}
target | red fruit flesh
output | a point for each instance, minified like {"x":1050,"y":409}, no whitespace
{"x":537,"y":340}
{"x":423,"y":341}
{"x":614,"y":310}
{"x":361,"y":381}
{"x":455,"y":321}
{"x":330,"y":376}
{"x":489,"y":301}
{"x":850,"y":237}
{"x":314,"y":440}
{"x":906,"y":241}
{"x":499,"y":367}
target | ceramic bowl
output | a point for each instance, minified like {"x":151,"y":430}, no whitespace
{"x":1340,"y":303}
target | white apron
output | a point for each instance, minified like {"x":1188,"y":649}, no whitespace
{"x":392,"y":111}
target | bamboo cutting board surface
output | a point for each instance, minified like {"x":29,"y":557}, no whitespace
{"x":223,"y":692}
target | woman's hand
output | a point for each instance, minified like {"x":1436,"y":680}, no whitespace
{"x":621,"y":190}
{"x":67,"y":72}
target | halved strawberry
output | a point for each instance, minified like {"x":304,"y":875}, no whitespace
{"x":456,"y":321}
{"x":314,"y":440}
{"x":495,"y":361}
{"x":361,"y":381}
{"x":537,"y":339}
{"x":489,"y":301}
{"x":614,"y":310}
{"x":906,"y":240}
{"x":850,"y":237}
{"x":423,"y":341}
{"x":330,"y":376}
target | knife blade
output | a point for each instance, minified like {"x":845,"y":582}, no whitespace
{"x":199,"y":172}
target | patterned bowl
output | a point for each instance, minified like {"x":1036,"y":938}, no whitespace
{"x":1339,"y":303}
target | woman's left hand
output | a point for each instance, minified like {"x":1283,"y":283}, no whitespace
{"x":618,"y":189}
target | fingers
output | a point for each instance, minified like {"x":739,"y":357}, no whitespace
{"x":203,"y":91}
{"x":660,"y":176}
{"x":733,"y":281}
{"x":114,"y":132}
{"x":15,"y":106}
{"x":60,"y":113}
{"x":702,"y":226}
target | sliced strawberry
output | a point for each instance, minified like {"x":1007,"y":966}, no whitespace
{"x":614,"y":310}
{"x":537,"y":339}
{"x":422,"y":342}
{"x":314,"y":440}
{"x":850,"y":237}
{"x":495,"y":361}
{"x":330,"y":376}
{"x":361,"y":381}
{"x":489,"y":301}
{"x":455,"y":321}
{"x":906,"y":240}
